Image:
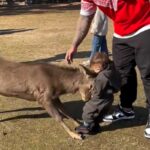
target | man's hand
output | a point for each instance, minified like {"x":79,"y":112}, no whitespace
{"x":69,"y":55}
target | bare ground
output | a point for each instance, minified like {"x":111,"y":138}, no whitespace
{"x":44,"y":33}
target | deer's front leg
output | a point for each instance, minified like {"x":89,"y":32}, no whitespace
{"x":55,"y":113}
{"x":61,"y":108}
{"x":71,"y":133}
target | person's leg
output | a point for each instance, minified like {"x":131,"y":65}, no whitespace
{"x":124,"y":60}
{"x":93,"y":112}
{"x":104,"y":47}
{"x":94,"y":108}
{"x":96,"y":44}
{"x":147,"y":129}
{"x":99,"y":44}
{"x":142,"y":54}
{"x":143,"y":61}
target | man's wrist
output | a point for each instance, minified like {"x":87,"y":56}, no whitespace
{"x":74,"y":48}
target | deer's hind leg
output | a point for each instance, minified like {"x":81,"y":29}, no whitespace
{"x":55,"y":113}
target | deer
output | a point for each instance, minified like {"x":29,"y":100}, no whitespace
{"x":45,"y":83}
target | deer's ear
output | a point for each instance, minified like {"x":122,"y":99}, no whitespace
{"x":87,"y":71}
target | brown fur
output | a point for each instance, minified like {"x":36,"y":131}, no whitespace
{"x":44,"y":83}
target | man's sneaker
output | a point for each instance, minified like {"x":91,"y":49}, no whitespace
{"x":119,"y":114}
{"x":147,"y":129}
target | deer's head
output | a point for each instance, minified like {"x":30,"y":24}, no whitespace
{"x":86,"y":83}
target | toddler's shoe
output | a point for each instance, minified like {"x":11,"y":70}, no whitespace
{"x":88,"y":129}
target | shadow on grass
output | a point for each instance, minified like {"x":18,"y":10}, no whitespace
{"x":38,"y":9}
{"x":22,"y":109}
{"x":71,"y":108}
{"x":59,"y":57}
{"x":74,"y":108}
{"x":11,"y":31}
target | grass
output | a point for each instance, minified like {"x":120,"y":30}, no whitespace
{"x":44,"y":34}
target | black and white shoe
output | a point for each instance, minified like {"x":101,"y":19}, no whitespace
{"x":119,"y":114}
{"x":147,"y":129}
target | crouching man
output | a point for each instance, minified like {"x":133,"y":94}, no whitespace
{"x":106,"y":83}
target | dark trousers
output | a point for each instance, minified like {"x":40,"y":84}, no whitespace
{"x":95,"y":109}
{"x":127,"y":53}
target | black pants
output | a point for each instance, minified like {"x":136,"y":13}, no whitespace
{"x":127,"y":53}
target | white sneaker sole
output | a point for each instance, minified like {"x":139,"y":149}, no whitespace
{"x":146,"y":136}
{"x":123,"y":118}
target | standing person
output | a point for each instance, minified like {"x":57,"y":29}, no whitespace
{"x":99,"y":30}
{"x":131,"y":47}
{"x":106,"y":84}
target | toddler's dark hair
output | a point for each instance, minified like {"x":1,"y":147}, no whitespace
{"x":100,"y":58}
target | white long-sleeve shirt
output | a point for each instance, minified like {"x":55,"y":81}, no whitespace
{"x":100,"y":23}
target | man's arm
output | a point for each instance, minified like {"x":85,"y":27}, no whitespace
{"x":82,"y":29}
{"x":83,"y":26}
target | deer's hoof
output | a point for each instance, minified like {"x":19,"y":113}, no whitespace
{"x":78,"y":137}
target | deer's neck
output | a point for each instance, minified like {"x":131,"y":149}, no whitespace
{"x":73,"y":84}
